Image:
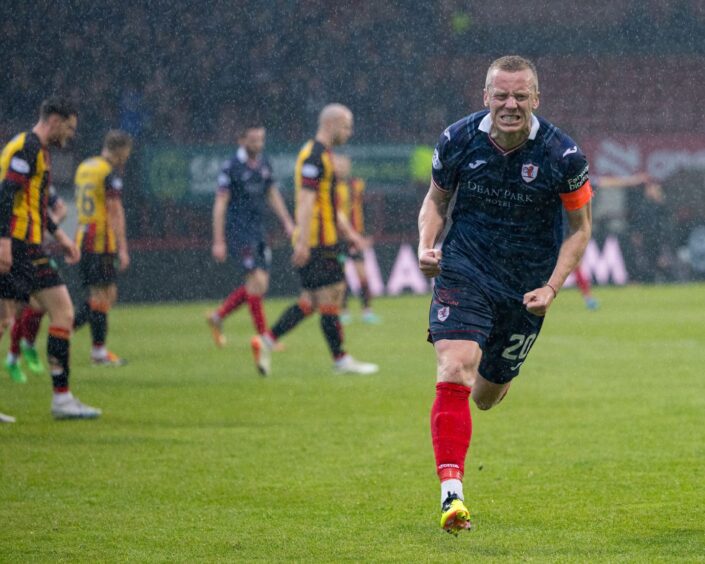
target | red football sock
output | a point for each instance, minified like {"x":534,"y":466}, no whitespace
{"x":31,"y":320}
{"x":16,"y":335}
{"x":257,"y":313}
{"x":451,"y":428}
{"x":236,"y":298}
{"x":582,"y":282}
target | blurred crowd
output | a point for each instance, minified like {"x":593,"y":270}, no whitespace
{"x":187,"y":72}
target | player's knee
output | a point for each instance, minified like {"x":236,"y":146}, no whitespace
{"x":61,"y":316}
{"x":5,"y":324}
{"x":257,"y":289}
{"x":256,"y":283}
{"x":64,"y":318}
{"x":305,"y":306}
{"x":456,"y":371}
{"x":101,"y":305}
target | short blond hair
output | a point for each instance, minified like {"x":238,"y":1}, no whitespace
{"x":116,"y":139}
{"x":512,"y":63}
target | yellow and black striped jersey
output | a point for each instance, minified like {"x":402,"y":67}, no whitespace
{"x":356,"y":215}
{"x":342,"y":197}
{"x":314,"y":171}
{"x":96,"y":182}
{"x":25,"y":169}
{"x":348,"y":200}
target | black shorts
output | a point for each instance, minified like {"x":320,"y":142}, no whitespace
{"x":253,"y":255}
{"x":32,"y":270}
{"x":324,"y":268}
{"x":504,"y":329}
{"x":98,"y":269}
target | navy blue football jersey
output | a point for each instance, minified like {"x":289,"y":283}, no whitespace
{"x":507,"y":224}
{"x":248,"y":186}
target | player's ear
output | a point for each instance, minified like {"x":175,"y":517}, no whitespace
{"x":536,"y":102}
{"x":485,"y":98}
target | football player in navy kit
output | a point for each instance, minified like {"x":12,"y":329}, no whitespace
{"x":245,"y":187}
{"x":504,"y":259}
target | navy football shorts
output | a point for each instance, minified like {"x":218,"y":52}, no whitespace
{"x":253,"y":255}
{"x":503,"y":328}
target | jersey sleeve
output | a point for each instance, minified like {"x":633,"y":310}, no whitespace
{"x":21,"y":166}
{"x":312,"y":170}
{"x":53,"y":197}
{"x":225,"y":180}
{"x":358,"y":185}
{"x":444,"y":163}
{"x":113,"y":186}
{"x":574,"y":187}
{"x":342,"y":198}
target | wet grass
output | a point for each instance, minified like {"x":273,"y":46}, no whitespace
{"x":595,"y":456}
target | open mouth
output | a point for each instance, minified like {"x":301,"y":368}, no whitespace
{"x":510,"y":119}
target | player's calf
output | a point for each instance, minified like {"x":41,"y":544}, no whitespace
{"x":487,"y":396}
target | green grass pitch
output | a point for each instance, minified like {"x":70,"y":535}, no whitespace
{"x":596,"y":455}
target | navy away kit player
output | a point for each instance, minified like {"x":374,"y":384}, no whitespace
{"x":504,"y":258}
{"x":246,"y":186}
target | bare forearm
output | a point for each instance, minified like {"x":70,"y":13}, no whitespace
{"x":304,"y":212}
{"x":431,"y":220}
{"x":219,"y":221}
{"x":117,"y":223}
{"x":344,"y":226}
{"x":58,"y":212}
{"x":569,"y":256}
{"x":277,"y":204}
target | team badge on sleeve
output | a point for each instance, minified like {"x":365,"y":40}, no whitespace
{"x":310,"y":171}
{"x":436,"y":161}
{"x":529,"y":172}
{"x":19,"y":165}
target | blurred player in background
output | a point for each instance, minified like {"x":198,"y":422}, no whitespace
{"x":29,"y":318}
{"x":318,"y":254}
{"x":25,"y":177}
{"x":605,"y":182}
{"x":349,"y":201}
{"x":504,"y":259}
{"x":246,"y":186}
{"x":102,"y":239}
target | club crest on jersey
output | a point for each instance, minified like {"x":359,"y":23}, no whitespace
{"x":443,"y":313}
{"x":529,"y":172}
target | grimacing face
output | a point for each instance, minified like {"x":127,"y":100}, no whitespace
{"x":511,"y":97}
